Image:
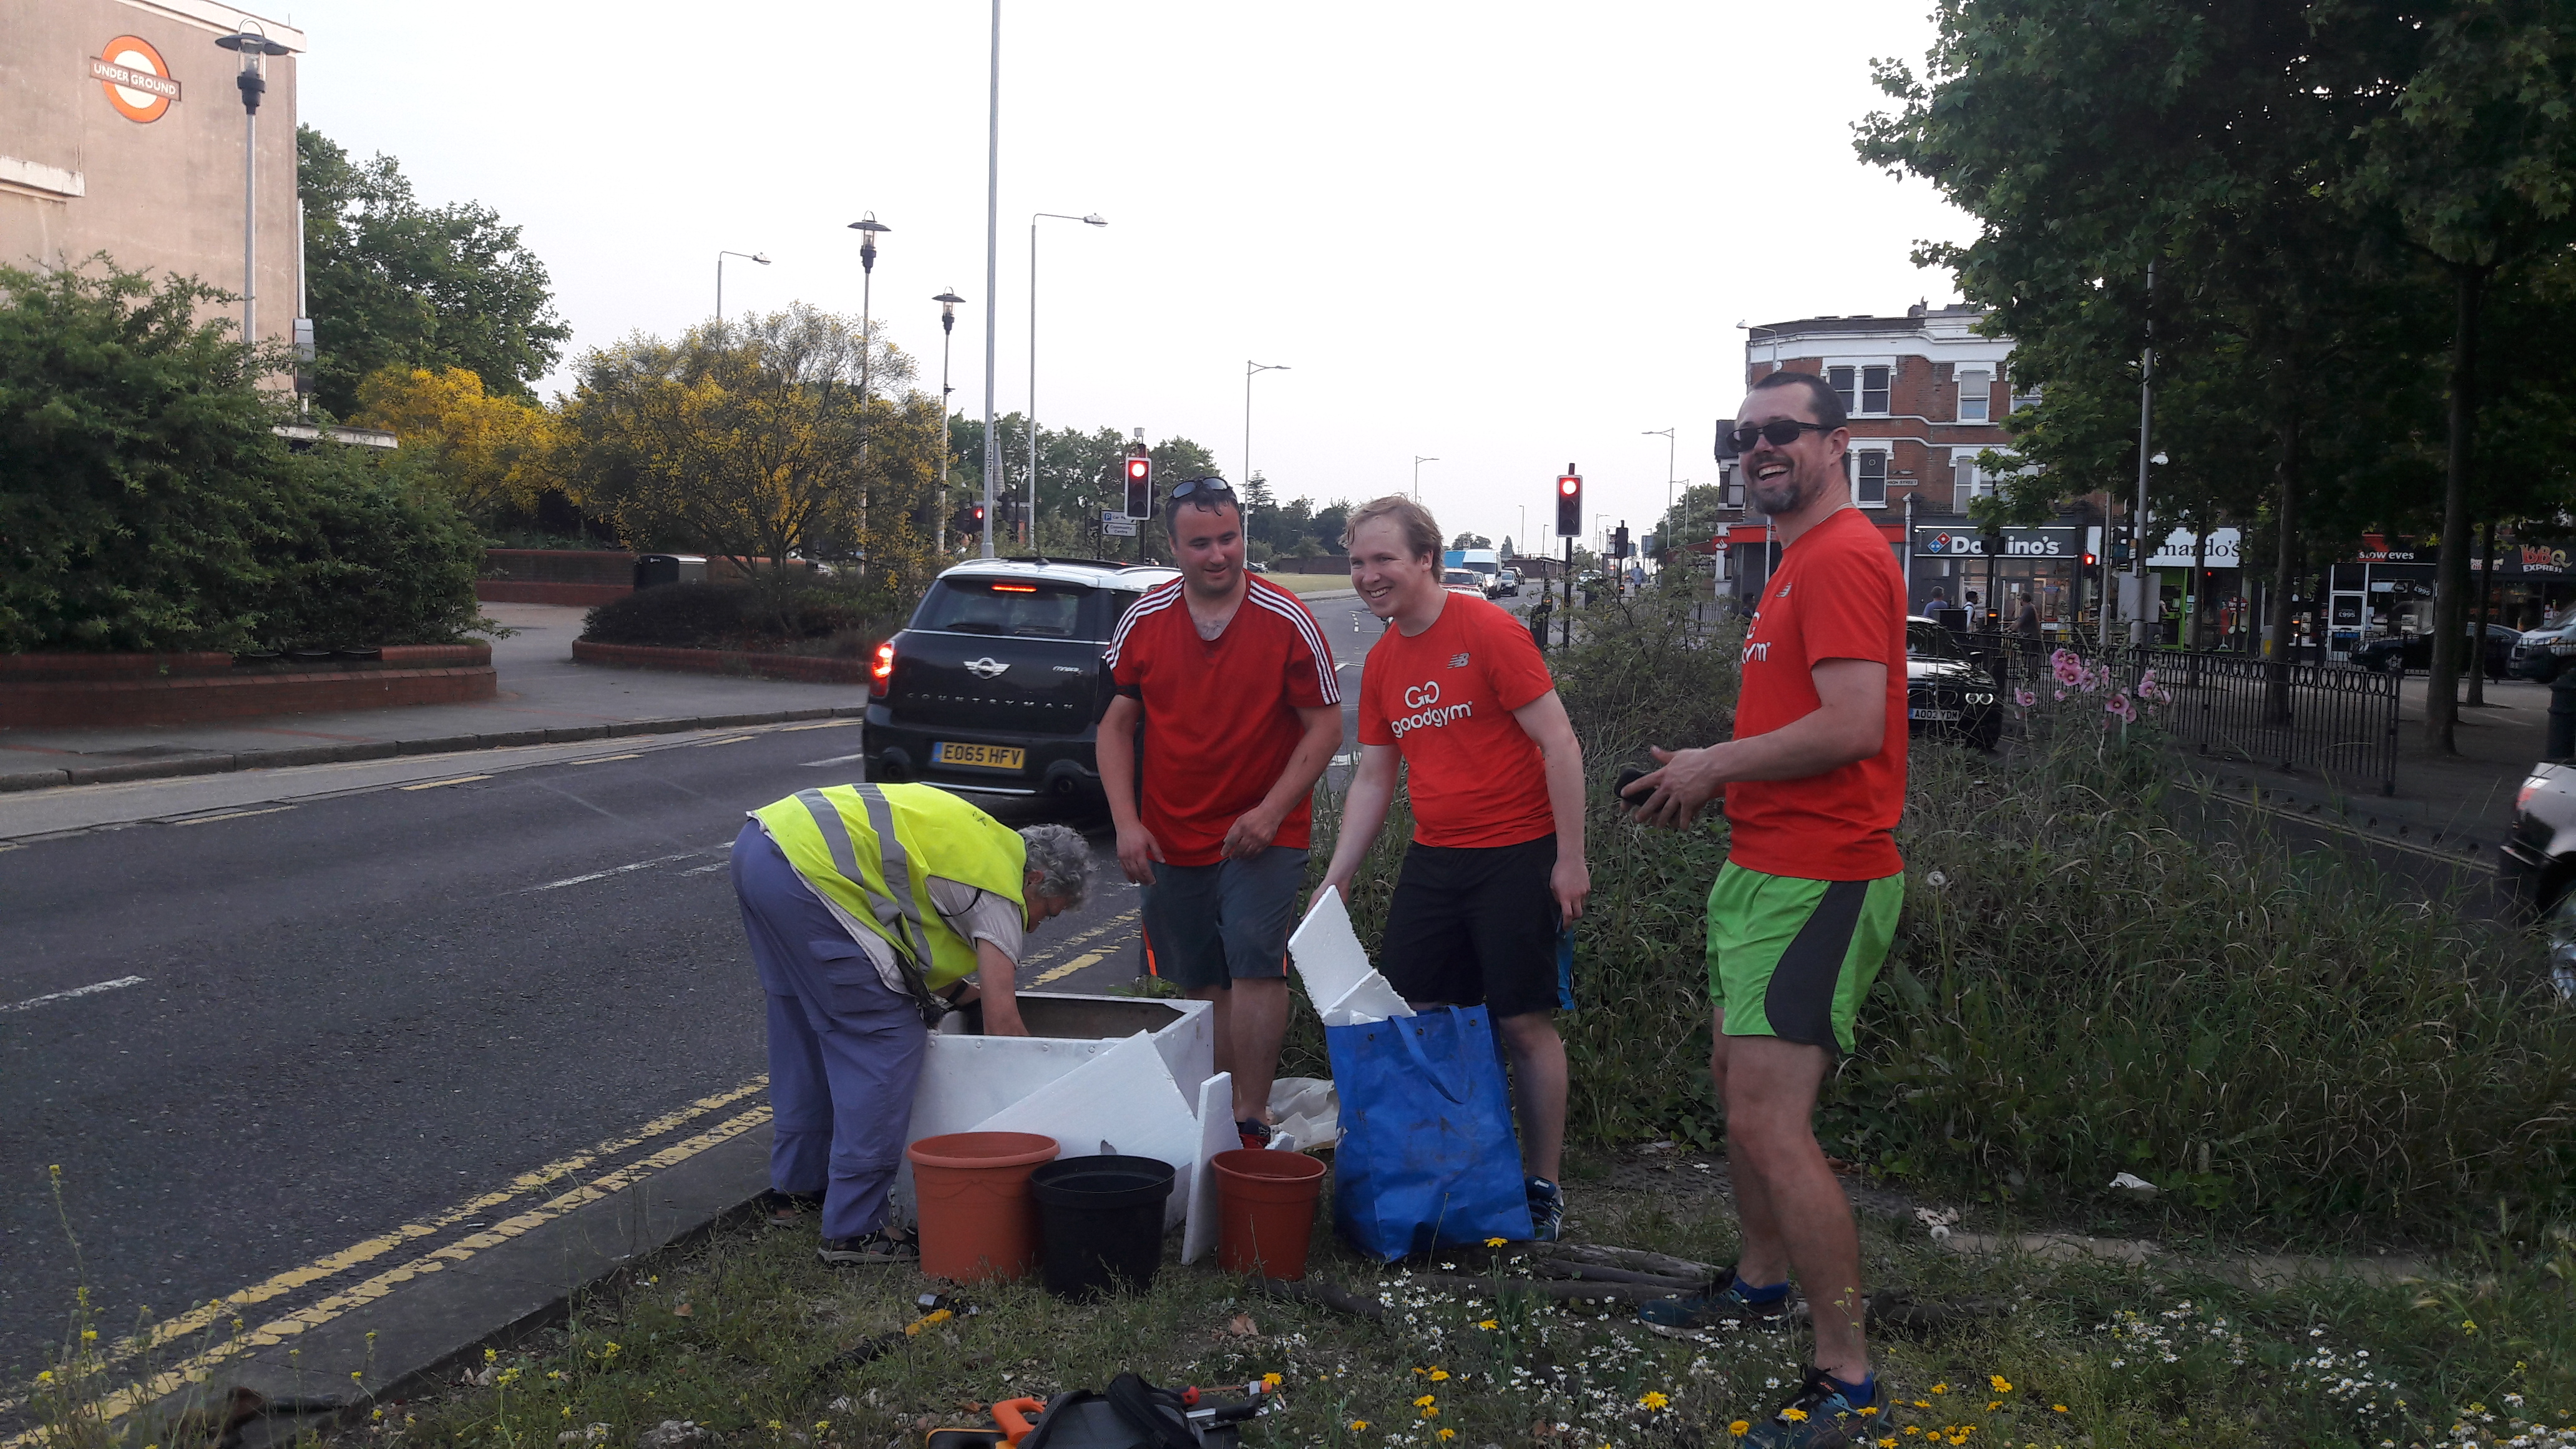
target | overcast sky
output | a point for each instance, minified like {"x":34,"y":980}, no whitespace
{"x":1508,"y":236}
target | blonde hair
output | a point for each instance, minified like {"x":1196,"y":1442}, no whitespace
{"x":1421,"y":531}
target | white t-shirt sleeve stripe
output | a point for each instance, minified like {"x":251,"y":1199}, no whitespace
{"x":1155,"y":601}
{"x":1287,"y":606}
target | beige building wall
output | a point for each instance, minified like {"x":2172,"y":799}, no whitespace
{"x":80,"y":175}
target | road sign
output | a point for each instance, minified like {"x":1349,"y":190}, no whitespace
{"x":1121,"y":527}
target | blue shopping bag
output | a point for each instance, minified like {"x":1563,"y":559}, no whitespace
{"x":1427,"y":1154}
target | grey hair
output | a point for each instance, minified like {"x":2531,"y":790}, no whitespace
{"x":1061,"y":860}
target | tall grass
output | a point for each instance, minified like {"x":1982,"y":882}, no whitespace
{"x":2099,"y":971}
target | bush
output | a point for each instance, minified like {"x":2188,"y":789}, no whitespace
{"x":147,"y":504}
{"x":367,"y":554}
{"x":778,"y":613}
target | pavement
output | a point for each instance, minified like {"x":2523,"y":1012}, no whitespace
{"x":391,"y":1055}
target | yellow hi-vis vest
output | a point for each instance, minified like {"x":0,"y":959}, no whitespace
{"x":872,"y":849}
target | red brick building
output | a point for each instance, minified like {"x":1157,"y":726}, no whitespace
{"x":1926,"y":394}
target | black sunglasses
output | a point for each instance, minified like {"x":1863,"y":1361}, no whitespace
{"x":1779,"y":433}
{"x":1202,"y":487}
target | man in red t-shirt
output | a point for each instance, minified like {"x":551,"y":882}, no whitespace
{"x":1234,"y":687}
{"x":1455,"y":691}
{"x":1802,"y":914}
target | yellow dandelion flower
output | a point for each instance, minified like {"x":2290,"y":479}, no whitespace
{"x":1739,"y":1428}
{"x":2468,"y":1325}
{"x":1655,"y":1399}
{"x":1432,"y":1413}
{"x":1424,"y":1402}
{"x":2002,"y":1385}
{"x":1993,"y":1404}
{"x":1446,"y":1435}
{"x":1439,"y":1374}
{"x":1872,"y":1409}
{"x":1493,"y":1242}
{"x":489,"y":1355}
{"x":1270,"y":1381}
{"x":89,"y":1335}
{"x":2057,"y":1408}
{"x":1794,"y":1416}
{"x":1887,"y":1444}
{"x":1359,"y":1423}
{"x":1940,"y":1388}
{"x":46,"y":1376}
{"x":1489,"y":1324}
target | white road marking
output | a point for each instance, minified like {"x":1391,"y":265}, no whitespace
{"x":90,"y":990}
{"x":835,"y":760}
{"x":434,"y":784}
{"x":232,"y":815}
{"x":703,"y":869}
{"x":572,"y":880}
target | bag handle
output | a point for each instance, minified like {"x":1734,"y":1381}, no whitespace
{"x":1413,"y":1048}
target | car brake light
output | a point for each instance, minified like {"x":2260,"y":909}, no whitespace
{"x":1015,"y":588}
{"x":881,"y":670}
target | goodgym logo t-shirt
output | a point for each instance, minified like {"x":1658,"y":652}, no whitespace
{"x":1837,"y":595}
{"x":1444,"y":699}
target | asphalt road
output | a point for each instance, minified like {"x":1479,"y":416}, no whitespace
{"x":259,"y":1020}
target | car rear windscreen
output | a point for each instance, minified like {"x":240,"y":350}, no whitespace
{"x":1009,"y":608}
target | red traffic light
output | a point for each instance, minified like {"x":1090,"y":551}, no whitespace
{"x":1569,"y":485}
{"x":1138,"y":468}
{"x":1140,"y":485}
{"x":1569,"y":503}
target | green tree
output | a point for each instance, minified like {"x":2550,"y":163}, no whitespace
{"x":1471,"y":540}
{"x":750,"y":440}
{"x":394,"y":283}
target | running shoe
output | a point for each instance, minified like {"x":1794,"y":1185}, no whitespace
{"x":1547,"y":1209}
{"x":1721,"y":1303}
{"x":880,"y":1246}
{"x":1818,"y":1416}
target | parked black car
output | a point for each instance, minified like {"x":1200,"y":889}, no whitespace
{"x":1948,"y":693}
{"x":997,"y":684}
{"x":2539,"y":864}
{"x":2415,"y":651}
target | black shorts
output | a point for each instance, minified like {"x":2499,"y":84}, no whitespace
{"x":1474,"y":925}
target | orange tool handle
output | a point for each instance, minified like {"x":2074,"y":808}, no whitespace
{"x":1014,"y":1415}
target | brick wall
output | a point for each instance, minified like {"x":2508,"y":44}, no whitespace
{"x":809,"y":668}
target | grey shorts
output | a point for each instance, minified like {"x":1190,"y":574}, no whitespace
{"x":1211,"y":925}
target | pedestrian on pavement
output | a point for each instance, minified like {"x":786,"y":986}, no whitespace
{"x":1234,"y":687}
{"x":868,"y":907}
{"x":1456,"y":693}
{"x":1801,"y":915}
{"x":2026,"y":619}
{"x":1940,"y":600}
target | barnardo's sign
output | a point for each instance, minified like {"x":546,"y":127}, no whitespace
{"x":2066,"y":543}
{"x":2177,"y":551}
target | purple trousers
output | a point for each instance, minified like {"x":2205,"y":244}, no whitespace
{"x":844,"y":1048}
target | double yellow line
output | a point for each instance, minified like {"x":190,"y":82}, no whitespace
{"x":197,"y":1367}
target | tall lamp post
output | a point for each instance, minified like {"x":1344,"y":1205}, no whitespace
{"x":1667,"y":435}
{"x":869,"y":229}
{"x":1418,"y":461}
{"x":992,"y":262}
{"x":760,"y":257}
{"x":254,"y":49}
{"x":1091,"y":219}
{"x":947,"y":301}
{"x":1250,"y":368}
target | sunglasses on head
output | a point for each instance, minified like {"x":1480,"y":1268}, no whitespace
{"x":1779,"y":433}
{"x":1203,"y":488}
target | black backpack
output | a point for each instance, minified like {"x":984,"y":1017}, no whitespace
{"x":1133,"y":1414}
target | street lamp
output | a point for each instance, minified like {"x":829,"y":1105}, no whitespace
{"x":1092,"y":219}
{"x":947,"y":301}
{"x":868,"y":228}
{"x":1251,"y":367}
{"x":254,"y":48}
{"x":1667,"y":435}
{"x":992,"y":261}
{"x":1418,"y":461}
{"x":760,"y":257}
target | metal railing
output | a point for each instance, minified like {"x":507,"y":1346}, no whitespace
{"x":2335,"y":719}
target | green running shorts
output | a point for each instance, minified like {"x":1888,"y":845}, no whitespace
{"x":1794,"y":958}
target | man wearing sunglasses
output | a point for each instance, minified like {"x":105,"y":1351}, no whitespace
{"x":1234,"y":687}
{"x":1802,"y":913}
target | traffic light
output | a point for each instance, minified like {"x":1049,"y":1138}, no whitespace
{"x":2091,"y":559}
{"x":1140,"y":486}
{"x":1569,"y":503}
{"x":1619,"y":541}
{"x":967,"y":521}
{"x":2119,"y":550}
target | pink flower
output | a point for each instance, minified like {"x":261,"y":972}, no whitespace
{"x":2090,"y":680}
{"x":2061,"y":694}
{"x":2121,"y":706}
{"x":2066,"y":666}
{"x":2026,"y":699}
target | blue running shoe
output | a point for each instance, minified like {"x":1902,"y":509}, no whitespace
{"x":1547,"y":1209}
{"x":1722,"y":1303}
{"x":1820,"y":1415}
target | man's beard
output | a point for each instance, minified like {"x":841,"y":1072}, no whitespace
{"x":1783,"y":496}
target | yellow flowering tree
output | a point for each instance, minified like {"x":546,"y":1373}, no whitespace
{"x":489,"y":451}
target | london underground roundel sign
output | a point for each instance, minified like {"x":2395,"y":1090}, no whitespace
{"x":135,"y":77}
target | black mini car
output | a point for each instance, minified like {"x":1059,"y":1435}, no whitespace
{"x":2415,"y":651}
{"x":997,"y":684}
{"x":1946,"y":692}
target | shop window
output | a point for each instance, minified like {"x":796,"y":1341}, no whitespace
{"x":1970,"y":482}
{"x":1730,"y":488}
{"x":1976,"y":393}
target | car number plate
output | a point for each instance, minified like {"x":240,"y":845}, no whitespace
{"x":1935,"y":715}
{"x":980,"y":757}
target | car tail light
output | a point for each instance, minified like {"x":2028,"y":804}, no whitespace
{"x":881,"y":671}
